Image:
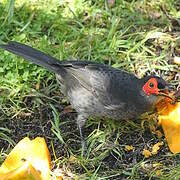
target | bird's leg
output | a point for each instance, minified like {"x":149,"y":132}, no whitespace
{"x":81,"y":119}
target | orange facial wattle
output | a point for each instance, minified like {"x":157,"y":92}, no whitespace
{"x":151,"y":87}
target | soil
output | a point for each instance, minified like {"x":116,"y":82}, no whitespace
{"x":39,"y":123}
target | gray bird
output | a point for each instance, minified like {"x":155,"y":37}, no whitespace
{"x":98,"y":90}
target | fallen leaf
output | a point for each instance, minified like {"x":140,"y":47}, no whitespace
{"x":68,"y":109}
{"x":146,"y":153}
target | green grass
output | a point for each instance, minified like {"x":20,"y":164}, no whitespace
{"x":141,"y":37}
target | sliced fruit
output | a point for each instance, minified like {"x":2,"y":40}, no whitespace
{"x":169,"y":118}
{"x":34,"y":152}
{"x":24,"y":172}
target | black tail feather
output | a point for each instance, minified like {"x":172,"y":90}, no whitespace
{"x":32,"y":55}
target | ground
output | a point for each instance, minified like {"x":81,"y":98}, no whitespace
{"x":141,"y":37}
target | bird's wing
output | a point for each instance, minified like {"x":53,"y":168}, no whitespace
{"x":107,"y":84}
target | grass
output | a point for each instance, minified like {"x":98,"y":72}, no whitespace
{"x":141,"y":37}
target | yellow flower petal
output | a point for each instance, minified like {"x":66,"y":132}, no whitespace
{"x":129,"y":148}
{"x":146,"y":153}
{"x":156,"y":147}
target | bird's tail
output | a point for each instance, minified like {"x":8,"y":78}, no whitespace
{"x":32,"y":55}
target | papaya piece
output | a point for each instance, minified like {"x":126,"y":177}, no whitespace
{"x":35,"y":152}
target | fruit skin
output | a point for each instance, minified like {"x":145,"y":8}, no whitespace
{"x":94,"y":89}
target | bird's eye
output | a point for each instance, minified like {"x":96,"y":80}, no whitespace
{"x":151,"y":85}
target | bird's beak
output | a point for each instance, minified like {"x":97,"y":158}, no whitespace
{"x":165,"y":92}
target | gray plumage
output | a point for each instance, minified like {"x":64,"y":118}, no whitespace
{"x":93,"y":89}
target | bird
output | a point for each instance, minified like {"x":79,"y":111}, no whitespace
{"x":98,"y":90}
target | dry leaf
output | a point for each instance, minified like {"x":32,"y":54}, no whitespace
{"x":68,"y":109}
{"x":146,"y":153}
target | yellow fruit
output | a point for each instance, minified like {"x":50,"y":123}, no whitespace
{"x":27,"y":154}
{"x":24,"y":172}
{"x":169,"y":118}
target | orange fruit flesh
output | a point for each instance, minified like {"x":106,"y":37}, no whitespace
{"x":28,"y":156}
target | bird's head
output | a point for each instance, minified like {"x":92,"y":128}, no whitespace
{"x":155,"y":89}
